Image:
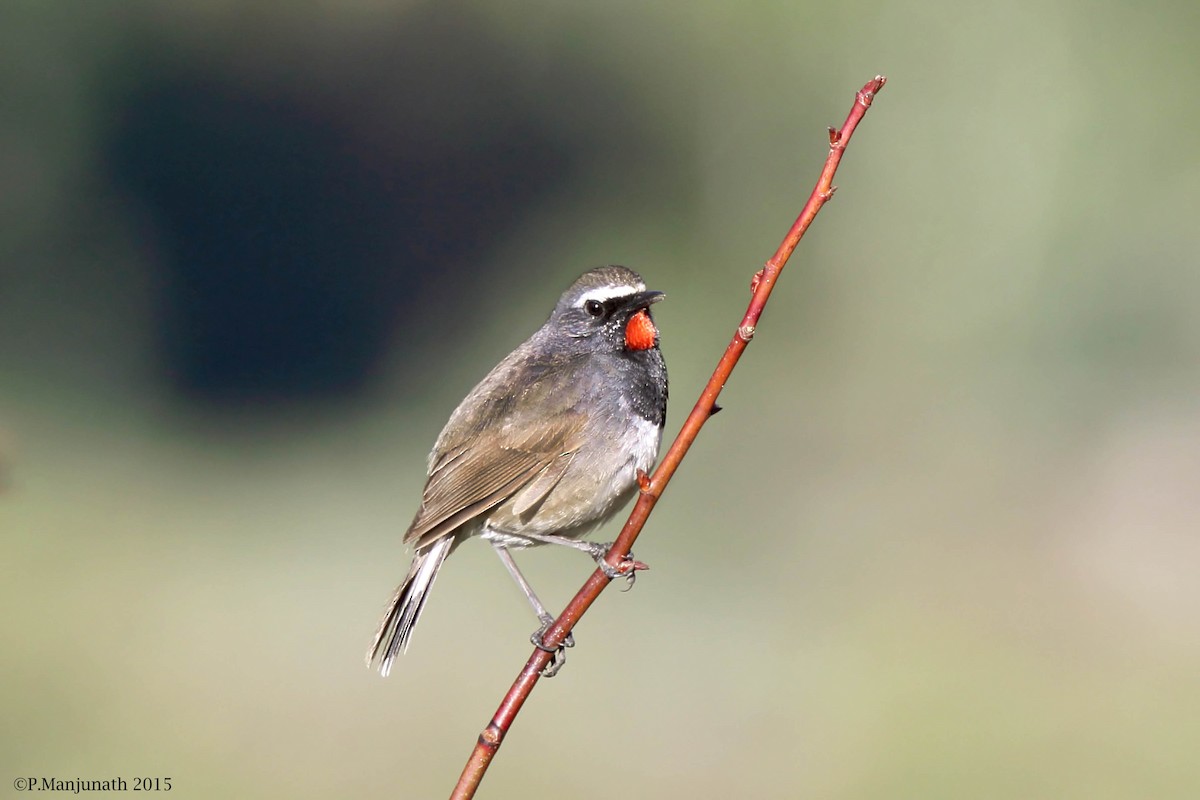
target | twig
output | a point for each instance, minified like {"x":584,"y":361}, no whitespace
{"x":652,"y":488}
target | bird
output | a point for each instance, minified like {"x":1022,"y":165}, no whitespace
{"x":548,"y":446}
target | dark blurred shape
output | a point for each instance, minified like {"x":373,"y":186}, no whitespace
{"x":291,"y":240}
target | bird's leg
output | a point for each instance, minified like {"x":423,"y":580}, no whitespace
{"x":544,"y":616}
{"x":513,"y":570}
{"x":597,"y":551}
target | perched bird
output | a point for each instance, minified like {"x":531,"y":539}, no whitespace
{"x":545,"y":448}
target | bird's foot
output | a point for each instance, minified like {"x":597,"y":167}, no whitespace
{"x":558,"y":654}
{"x":627,"y":569}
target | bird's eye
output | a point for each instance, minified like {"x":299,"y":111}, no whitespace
{"x":594,"y":307}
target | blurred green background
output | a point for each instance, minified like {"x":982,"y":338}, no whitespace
{"x":941,"y":544}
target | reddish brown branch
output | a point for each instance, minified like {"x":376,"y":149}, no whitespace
{"x":761,"y":286}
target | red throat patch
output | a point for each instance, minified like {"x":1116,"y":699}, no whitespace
{"x":640,"y":332}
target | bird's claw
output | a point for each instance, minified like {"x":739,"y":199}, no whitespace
{"x":627,"y":569}
{"x":558,"y":656}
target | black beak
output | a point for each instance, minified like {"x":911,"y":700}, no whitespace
{"x":642,"y":300}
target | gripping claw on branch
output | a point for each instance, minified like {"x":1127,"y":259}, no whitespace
{"x":627,"y":569}
{"x":558,"y":654}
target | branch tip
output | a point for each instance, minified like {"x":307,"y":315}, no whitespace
{"x":868,"y":92}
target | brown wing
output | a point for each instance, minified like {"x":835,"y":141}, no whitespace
{"x":533,"y":492}
{"x":483,"y":472}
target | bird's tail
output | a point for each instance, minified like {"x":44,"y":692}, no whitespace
{"x":396,"y":627}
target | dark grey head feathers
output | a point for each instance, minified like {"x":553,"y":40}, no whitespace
{"x":605,"y":282}
{"x":598,"y":305}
